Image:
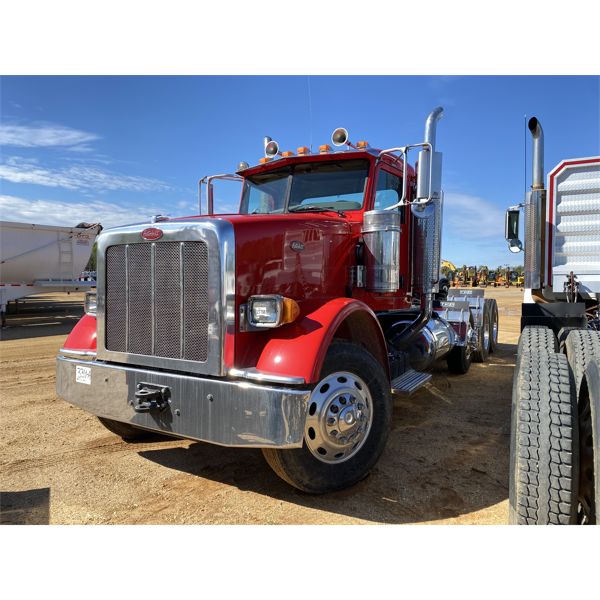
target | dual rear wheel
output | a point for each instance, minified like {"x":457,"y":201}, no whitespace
{"x":554,"y":460}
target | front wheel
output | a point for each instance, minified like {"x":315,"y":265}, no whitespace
{"x":347,"y":424}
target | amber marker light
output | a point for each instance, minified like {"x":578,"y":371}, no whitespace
{"x":323,"y":149}
{"x":264,"y":160}
{"x":290,"y":311}
{"x":303,"y":150}
{"x":362,"y":144}
{"x":287,"y":153}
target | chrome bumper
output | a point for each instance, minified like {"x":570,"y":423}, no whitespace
{"x":217,"y":411}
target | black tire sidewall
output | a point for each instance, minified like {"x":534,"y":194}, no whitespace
{"x":312,"y":475}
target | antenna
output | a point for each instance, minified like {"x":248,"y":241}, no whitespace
{"x":525,"y":154}
{"x":310,"y":119}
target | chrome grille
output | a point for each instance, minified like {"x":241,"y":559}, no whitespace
{"x":157,"y":299}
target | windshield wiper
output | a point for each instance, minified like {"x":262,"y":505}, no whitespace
{"x":311,"y":208}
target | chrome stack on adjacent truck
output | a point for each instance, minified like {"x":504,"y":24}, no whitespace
{"x":555,"y":429}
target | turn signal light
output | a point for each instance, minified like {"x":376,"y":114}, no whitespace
{"x":303,"y":150}
{"x":290,"y":311}
{"x":362,"y":144}
{"x":324,"y":149}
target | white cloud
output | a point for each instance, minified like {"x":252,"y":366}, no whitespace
{"x":51,"y":212}
{"x":470,"y":217}
{"x":44,"y":135}
{"x":78,"y":177}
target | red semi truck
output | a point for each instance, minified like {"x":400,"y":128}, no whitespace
{"x":555,"y":441}
{"x":287,"y":326}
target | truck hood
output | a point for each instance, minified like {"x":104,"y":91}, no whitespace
{"x":299,"y":256}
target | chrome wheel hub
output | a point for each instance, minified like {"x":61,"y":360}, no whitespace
{"x":339,"y":417}
{"x":486,"y":337}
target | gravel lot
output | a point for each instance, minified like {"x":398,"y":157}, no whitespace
{"x":446,"y":460}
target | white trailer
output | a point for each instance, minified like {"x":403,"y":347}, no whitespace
{"x":43,"y":258}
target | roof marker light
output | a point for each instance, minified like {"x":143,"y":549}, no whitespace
{"x":324,"y":148}
{"x":303,"y":150}
{"x":264,"y":160}
{"x":362,"y":144}
{"x":243,"y":165}
{"x":287,"y":153}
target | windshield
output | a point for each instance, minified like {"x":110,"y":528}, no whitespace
{"x":309,"y":186}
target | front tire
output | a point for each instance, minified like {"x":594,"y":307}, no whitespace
{"x":347,"y":425}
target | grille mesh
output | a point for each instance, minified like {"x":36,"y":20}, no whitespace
{"x":157,"y":299}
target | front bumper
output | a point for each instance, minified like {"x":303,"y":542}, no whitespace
{"x":228,"y":413}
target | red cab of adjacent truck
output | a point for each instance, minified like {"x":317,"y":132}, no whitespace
{"x":287,"y":326}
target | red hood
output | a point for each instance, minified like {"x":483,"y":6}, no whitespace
{"x":298,"y":256}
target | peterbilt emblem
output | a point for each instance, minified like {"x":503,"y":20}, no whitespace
{"x":152,"y":233}
{"x":297,"y":246}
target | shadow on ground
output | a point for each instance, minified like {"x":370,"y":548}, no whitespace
{"x":447,"y":455}
{"x":41,"y":316}
{"x":29,"y":507}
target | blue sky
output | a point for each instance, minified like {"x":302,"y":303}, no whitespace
{"x":119,"y":149}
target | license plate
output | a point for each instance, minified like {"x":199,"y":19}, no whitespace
{"x":83,"y":375}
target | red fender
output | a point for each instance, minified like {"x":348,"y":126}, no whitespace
{"x":83,"y":335}
{"x":299,"y":349}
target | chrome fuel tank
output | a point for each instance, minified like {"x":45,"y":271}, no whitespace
{"x":381,"y":233}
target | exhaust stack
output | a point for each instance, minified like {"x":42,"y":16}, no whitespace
{"x":535,"y":210}
{"x":537,"y":134}
{"x":431,"y":125}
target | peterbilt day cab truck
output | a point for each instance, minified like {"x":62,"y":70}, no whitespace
{"x":288,"y":325}
{"x":555,"y":431}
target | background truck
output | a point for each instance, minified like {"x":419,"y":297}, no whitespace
{"x":43,"y":258}
{"x":555,"y":430}
{"x":287,"y":326}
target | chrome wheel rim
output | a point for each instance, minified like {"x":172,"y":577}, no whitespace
{"x":486,"y":336}
{"x":339,"y":418}
{"x":495,"y":331}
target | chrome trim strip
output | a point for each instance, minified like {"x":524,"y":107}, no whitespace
{"x":91,"y":354}
{"x":218,"y":235}
{"x":152,"y":295}
{"x":255,"y":375}
{"x":227,"y":413}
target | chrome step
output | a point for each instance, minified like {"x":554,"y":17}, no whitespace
{"x":408,"y":383}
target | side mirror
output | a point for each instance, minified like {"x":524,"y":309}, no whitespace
{"x":511,"y":230}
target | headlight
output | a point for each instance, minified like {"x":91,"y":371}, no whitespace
{"x":89,"y":304}
{"x":271,"y":311}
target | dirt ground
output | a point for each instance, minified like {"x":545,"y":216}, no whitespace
{"x":446,"y":460}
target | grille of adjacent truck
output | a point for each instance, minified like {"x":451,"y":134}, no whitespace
{"x":157,"y":299}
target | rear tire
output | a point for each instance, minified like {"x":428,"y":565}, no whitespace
{"x":480,"y":354}
{"x":544,"y":446}
{"x":494,"y":324}
{"x":301,"y":467}
{"x":536,"y":338}
{"x":459,"y":359}
{"x":581,"y":347}
{"x":128,"y":432}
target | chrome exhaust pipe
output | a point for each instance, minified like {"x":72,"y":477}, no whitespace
{"x":431,"y":125}
{"x":537,"y":134}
